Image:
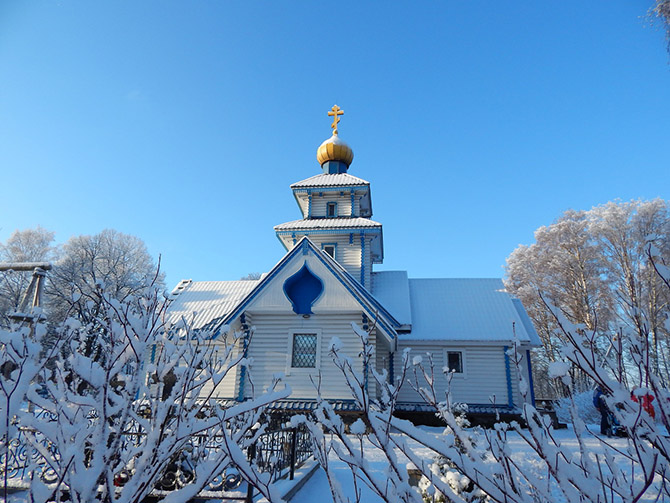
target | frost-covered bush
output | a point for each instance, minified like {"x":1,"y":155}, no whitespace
{"x":447,"y":471}
{"x":126,"y":403}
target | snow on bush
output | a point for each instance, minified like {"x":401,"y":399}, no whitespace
{"x":124,"y":400}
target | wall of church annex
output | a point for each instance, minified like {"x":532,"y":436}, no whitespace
{"x":227,"y":388}
{"x":271,"y":350}
{"x":484,"y":372}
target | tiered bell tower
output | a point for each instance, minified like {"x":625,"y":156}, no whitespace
{"x":337,"y":209}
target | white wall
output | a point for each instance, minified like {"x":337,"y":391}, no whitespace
{"x":270,"y":350}
{"x":484,"y":375}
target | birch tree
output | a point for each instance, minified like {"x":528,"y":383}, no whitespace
{"x":593,"y":266}
{"x":119,"y":262}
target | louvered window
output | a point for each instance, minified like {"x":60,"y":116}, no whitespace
{"x":304,"y":351}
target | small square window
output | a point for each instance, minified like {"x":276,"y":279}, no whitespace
{"x":304,"y":351}
{"x":455,"y":362}
{"x":331,"y":210}
{"x":330,"y":250}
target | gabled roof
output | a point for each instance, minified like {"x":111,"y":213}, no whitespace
{"x":473,"y":309}
{"x":330,"y":180}
{"x":328,"y":223}
{"x":391,"y":288}
{"x":375,"y":311}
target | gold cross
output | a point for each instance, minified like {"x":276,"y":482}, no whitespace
{"x":335,"y":113}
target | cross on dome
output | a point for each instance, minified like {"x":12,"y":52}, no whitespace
{"x":335,"y":113}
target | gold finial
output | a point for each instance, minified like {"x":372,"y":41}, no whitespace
{"x":335,"y":113}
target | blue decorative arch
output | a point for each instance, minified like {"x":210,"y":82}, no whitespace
{"x":302,"y":289}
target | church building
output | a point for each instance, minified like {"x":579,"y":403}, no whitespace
{"x":327,"y":280}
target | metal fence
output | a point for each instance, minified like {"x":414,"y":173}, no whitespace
{"x":278,"y":452}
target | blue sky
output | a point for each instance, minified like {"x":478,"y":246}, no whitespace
{"x":184,"y":123}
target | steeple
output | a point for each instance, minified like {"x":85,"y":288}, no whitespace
{"x":336,"y":209}
{"x":334,"y":155}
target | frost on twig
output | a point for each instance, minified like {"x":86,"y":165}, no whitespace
{"x":125,"y":402}
{"x":469,"y":465}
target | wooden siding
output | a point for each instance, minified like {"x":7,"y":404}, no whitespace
{"x":484,"y":376}
{"x":229,"y":386}
{"x":343,"y":204}
{"x":269,"y":349}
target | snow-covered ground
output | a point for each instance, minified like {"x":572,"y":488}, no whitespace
{"x":316,"y":489}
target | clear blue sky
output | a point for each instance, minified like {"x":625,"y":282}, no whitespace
{"x":184,"y":123}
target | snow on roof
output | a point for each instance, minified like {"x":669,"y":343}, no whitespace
{"x":527,"y":323}
{"x":204,"y":301}
{"x":391,"y":288}
{"x":327,"y":223}
{"x":470,"y":309}
{"x":330,"y":180}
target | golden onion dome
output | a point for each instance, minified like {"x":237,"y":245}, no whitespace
{"x":334,"y":149}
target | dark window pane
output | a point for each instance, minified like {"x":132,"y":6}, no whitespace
{"x":455,"y":362}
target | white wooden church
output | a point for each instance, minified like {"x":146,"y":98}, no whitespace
{"x":327,"y":279}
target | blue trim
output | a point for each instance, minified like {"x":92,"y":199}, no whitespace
{"x":530,"y":377}
{"x":334,"y":188}
{"x":362,"y":259}
{"x":328,"y":206}
{"x":309,"y":204}
{"x":352,"y":202}
{"x":153,"y":353}
{"x":334,"y":230}
{"x":508,"y":375}
{"x":245,"y":353}
{"x":391,"y":372}
{"x":334,"y":167}
{"x":366,"y":371}
{"x":351,"y":238}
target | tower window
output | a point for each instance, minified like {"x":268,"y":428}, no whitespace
{"x":331,"y":210}
{"x":329,"y":249}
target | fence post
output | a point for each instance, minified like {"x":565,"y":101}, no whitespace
{"x":294,"y":442}
{"x":250,"y":488}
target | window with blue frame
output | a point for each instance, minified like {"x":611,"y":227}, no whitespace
{"x":331,"y":210}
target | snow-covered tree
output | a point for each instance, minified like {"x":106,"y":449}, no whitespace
{"x":112,"y":428}
{"x":564,"y":264}
{"x":118,"y":261}
{"x":661,"y":12}
{"x":592,"y":265}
